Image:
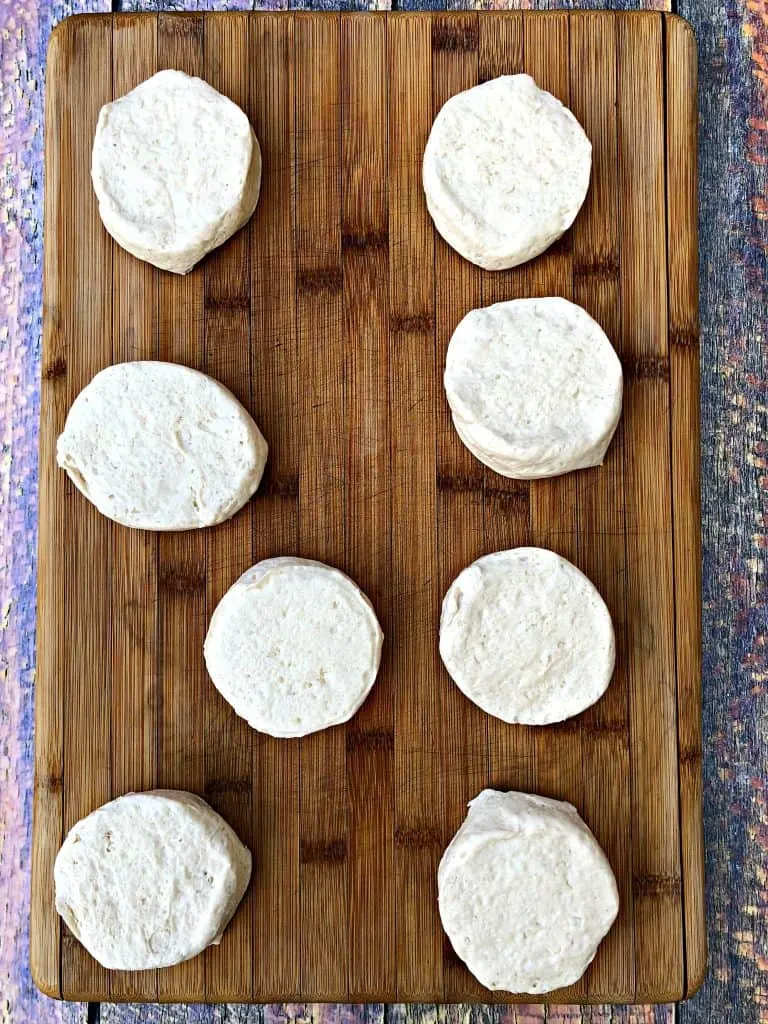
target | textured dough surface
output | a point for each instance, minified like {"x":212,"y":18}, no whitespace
{"x":506,"y":170}
{"x":534,"y":386}
{"x":150,"y":879}
{"x":159,"y":446}
{"x":294,"y":646}
{"x":176,"y":168}
{"x":527,"y":637}
{"x":526,"y":894}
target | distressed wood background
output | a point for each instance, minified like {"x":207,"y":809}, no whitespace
{"x":733,"y":75}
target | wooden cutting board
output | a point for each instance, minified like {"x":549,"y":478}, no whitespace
{"x":329,"y":316}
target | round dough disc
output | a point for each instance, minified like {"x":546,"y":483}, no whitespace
{"x":150,"y":879}
{"x":526,"y":894}
{"x":526,"y":637}
{"x":176,"y":168}
{"x":535,"y":387}
{"x":294,"y":646}
{"x":506,"y":170}
{"x":159,"y":446}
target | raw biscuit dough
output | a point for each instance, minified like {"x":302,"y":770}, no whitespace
{"x":150,"y":879}
{"x":534,"y":387}
{"x":176,"y":168}
{"x":527,"y":637}
{"x":526,"y":894}
{"x":506,"y":169}
{"x":159,"y":446}
{"x":294,"y":646}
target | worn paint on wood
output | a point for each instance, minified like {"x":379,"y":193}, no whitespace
{"x":734,"y":290}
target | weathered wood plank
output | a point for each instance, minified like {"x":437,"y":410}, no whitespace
{"x":733,"y":175}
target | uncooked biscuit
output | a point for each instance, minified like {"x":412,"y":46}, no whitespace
{"x":176,"y":168}
{"x":527,"y":637}
{"x":534,"y":386}
{"x":506,"y":170}
{"x":158,"y":446}
{"x":526,"y":894}
{"x":294,"y":646}
{"x":150,"y":879}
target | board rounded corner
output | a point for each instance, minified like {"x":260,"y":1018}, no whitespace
{"x":697,"y":974}
{"x":42,"y":981}
{"x":680,"y":23}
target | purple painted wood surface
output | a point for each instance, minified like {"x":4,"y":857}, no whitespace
{"x":733,"y":42}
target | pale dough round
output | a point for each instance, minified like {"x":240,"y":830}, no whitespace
{"x":294,"y":646}
{"x":150,"y":879}
{"x":506,"y":170}
{"x":526,"y":894}
{"x":176,"y":168}
{"x":159,"y":446}
{"x":534,"y":386}
{"x":527,"y":637}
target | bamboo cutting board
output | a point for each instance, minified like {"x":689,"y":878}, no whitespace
{"x":329,"y":316}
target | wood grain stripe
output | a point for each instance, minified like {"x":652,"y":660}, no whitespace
{"x":87,"y":300}
{"x":600,"y":492}
{"x":365,"y":264}
{"x":322,"y":478}
{"x":554,"y":511}
{"x":459,"y":509}
{"x":682,"y":262}
{"x":647,"y":473}
{"x":183,"y":683}
{"x":413,"y":402}
{"x":229,"y":553}
{"x":275,"y":509}
{"x":133,"y":610}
